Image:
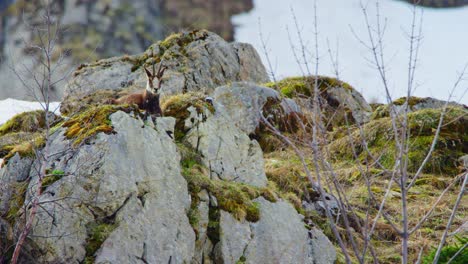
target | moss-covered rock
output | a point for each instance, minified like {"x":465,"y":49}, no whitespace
{"x":24,"y":133}
{"x":92,"y":121}
{"x":97,"y":233}
{"x":235,"y":198}
{"x":74,"y":104}
{"x":177,"y":106}
{"x":340,"y":102}
{"x":379,"y":135}
{"x":27,"y":122}
{"x":414,"y":104}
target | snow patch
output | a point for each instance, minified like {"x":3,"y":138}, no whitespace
{"x":10,"y":107}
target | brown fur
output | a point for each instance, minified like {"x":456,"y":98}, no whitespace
{"x":144,"y":100}
{"x":147,"y":100}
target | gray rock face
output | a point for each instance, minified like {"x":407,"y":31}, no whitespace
{"x":196,"y":61}
{"x":282,"y":227}
{"x":17,"y":170}
{"x":123,"y":182}
{"x":227,"y":151}
{"x":235,"y":239}
{"x":352,"y":99}
{"x":243,"y":103}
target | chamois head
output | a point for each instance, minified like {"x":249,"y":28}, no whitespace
{"x":154,"y":79}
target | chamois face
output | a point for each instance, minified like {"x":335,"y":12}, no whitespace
{"x":154,"y":80}
{"x":150,"y":78}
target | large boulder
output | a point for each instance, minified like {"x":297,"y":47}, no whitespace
{"x":196,"y":61}
{"x":119,"y":198}
{"x":244,"y":103}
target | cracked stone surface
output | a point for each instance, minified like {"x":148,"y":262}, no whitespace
{"x":288,"y":240}
{"x":227,"y":151}
{"x":127,"y":179}
{"x":201,"y":65}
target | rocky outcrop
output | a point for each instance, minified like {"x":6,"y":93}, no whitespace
{"x":189,"y":187}
{"x":121,"y":197}
{"x":196,"y":61}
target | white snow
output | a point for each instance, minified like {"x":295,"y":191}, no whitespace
{"x":10,"y":107}
{"x":442,"y":55}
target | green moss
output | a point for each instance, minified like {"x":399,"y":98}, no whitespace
{"x":97,"y":234}
{"x":25,"y":122}
{"x":182,"y":39}
{"x":213,"y":225}
{"x":449,"y":251}
{"x":16,"y":201}
{"x":304,"y":86}
{"x":177,"y":105}
{"x":241,"y":260}
{"x":24,"y":134}
{"x":422,"y":124}
{"x":413,"y":100}
{"x":233,"y":197}
{"x":25,"y":148}
{"x":94,"y":120}
{"x":51,"y":177}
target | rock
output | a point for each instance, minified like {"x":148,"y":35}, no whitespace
{"x":337,"y":98}
{"x":234,"y":240}
{"x":19,"y":167}
{"x":227,"y":151}
{"x":415,"y":104}
{"x":283,"y":228}
{"x":203,"y":245}
{"x":321,"y":250}
{"x":243,"y":103}
{"x":166,"y":124}
{"x":463,"y":162}
{"x":124,"y":198}
{"x":196,"y":61}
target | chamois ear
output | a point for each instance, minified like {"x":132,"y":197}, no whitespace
{"x":148,"y":73}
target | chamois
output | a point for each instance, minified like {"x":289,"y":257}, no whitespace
{"x":147,"y":100}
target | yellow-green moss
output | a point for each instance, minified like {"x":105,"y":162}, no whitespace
{"x":92,"y":121}
{"x":233,"y":197}
{"x":182,"y":39}
{"x":25,"y":148}
{"x":177,"y":105}
{"x":413,"y":100}
{"x":75,"y":104}
{"x":297,"y":86}
{"x":25,"y":122}
{"x":423,"y":124}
